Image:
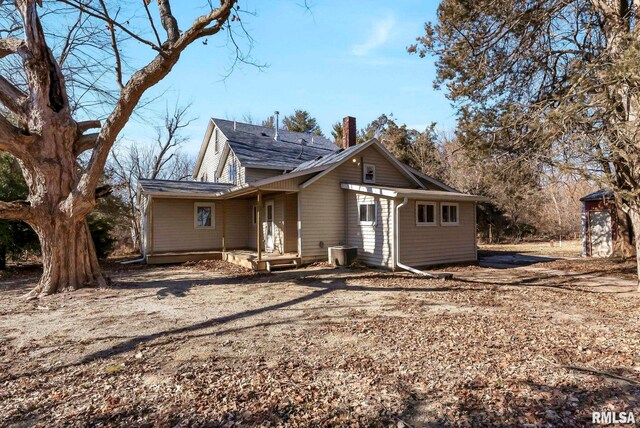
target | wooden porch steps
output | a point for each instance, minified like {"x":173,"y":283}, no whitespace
{"x":269,"y":262}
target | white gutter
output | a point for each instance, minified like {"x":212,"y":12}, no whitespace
{"x":396,"y":253}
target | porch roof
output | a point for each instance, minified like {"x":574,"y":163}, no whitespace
{"x":403,"y":192}
{"x":175,"y":188}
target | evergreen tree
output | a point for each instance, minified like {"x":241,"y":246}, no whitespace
{"x":301,"y":121}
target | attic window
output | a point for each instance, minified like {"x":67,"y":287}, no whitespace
{"x":369,"y":173}
{"x":232,"y":172}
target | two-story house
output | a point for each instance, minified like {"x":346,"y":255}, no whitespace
{"x":262,"y":194}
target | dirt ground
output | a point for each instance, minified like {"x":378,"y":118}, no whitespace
{"x":211,"y":345}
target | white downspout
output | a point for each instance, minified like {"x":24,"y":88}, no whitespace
{"x":396,"y":253}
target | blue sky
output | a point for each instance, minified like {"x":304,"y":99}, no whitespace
{"x":342,"y":58}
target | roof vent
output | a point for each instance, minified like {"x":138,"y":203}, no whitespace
{"x":277,"y":137}
{"x":235,"y":125}
{"x":264,"y":134}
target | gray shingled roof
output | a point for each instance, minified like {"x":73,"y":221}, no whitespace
{"x":255,"y":146}
{"x":599,"y":195}
{"x":329,"y":159}
{"x":186,"y":187}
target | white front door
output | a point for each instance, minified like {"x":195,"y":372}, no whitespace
{"x":268,"y":227}
{"x":601,"y":239}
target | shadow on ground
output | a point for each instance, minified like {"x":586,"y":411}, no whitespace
{"x":509,"y":259}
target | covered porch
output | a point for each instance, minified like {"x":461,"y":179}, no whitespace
{"x":252,"y":227}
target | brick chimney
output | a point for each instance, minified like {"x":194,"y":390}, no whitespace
{"x":348,"y":132}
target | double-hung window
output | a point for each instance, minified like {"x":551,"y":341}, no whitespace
{"x":204,"y":215}
{"x":367,"y":213}
{"x":425,"y":213}
{"x":449,"y":214}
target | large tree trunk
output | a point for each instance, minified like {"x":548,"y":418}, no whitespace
{"x":634,"y":214}
{"x":69,"y":258}
{"x":624,"y":235}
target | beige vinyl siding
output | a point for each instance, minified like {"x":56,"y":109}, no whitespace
{"x":290,"y":184}
{"x":211,"y":158}
{"x":322,"y":204}
{"x":236,"y":213}
{"x":257,"y":174}
{"x":291,"y":223}
{"x":225,"y":177}
{"x":428,"y":245}
{"x":174,"y":230}
{"x":374,"y":242}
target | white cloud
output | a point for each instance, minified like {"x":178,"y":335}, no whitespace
{"x":380,"y":33}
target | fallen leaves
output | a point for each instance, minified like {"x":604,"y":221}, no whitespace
{"x":378,"y":349}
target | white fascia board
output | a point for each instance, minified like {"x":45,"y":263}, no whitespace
{"x":203,"y":147}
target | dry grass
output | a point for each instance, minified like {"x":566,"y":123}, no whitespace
{"x":318,"y":347}
{"x":572,"y":248}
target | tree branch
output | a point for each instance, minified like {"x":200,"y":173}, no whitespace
{"x":114,"y":46}
{"x":88,"y":124}
{"x":84,"y":143}
{"x":10,"y":45}
{"x":168,"y":21}
{"x":132,"y":92}
{"x":46,"y":81}
{"x":11,"y":97}
{"x":16,"y":210}
{"x":12,"y":139}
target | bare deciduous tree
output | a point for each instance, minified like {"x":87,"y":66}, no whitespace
{"x":43,"y":134}
{"x":162,"y":159}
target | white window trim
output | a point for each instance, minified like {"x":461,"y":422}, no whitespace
{"x":450,"y":223}
{"x":364,"y":173}
{"x":435,"y":214}
{"x":375,"y":213}
{"x":213,"y":214}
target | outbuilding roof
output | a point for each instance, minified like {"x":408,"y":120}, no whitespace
{"x":598,"y":195}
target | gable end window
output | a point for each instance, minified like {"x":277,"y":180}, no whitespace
{"x":204,"y":215}
{"x":449,"y":214}
{"x":367,"y":213}
{"x":232,"y":172}
{"x":368,"y":173}
{"x":425,"y":213}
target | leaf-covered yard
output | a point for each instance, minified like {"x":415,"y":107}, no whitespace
{"x":208,"y":345}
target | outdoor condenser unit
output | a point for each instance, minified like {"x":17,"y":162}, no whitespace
{"x":342,"y":255}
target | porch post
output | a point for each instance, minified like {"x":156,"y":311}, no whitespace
{"x":259,"y":226}
{"x":224,"y":227}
